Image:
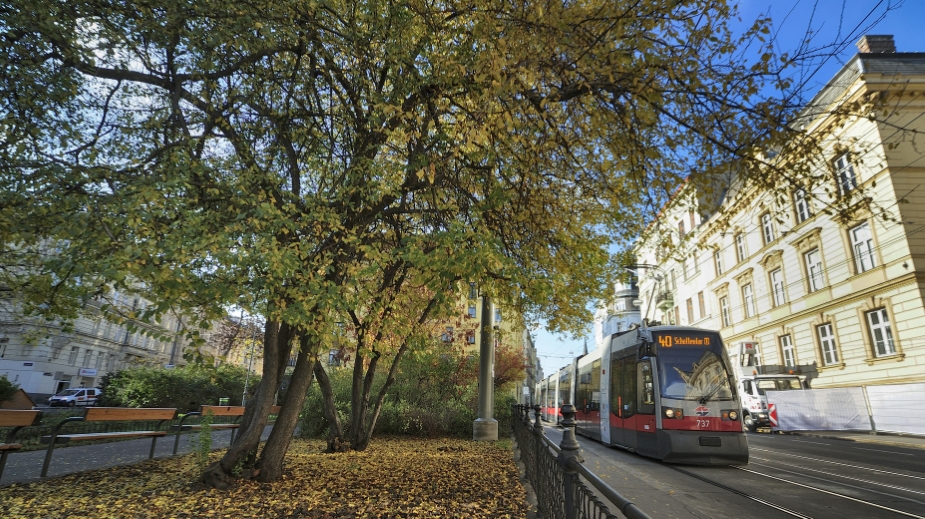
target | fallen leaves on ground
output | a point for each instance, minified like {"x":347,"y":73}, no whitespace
{"x":393,"y":478}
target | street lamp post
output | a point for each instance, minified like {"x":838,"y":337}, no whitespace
{"x":485,"y":427}
{"x":652,"y":293}
{"x":250,"y":362}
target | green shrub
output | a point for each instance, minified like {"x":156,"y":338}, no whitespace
{"x":434,"y":394}
{"x":185,"y":388}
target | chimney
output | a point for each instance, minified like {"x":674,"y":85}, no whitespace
{"x":870,"y":44}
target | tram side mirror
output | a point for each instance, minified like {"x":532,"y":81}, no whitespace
{"x":645,"y":350}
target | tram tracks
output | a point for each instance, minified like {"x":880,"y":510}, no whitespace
{"x":831,"y":482}
{"x":738,"y":492}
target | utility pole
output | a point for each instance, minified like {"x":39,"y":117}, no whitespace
{"x":485,"y":427}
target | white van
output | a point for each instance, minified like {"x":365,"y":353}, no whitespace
{"x":76,"y":396}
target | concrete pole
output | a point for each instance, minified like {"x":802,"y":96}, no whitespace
{"x":485,"y":427}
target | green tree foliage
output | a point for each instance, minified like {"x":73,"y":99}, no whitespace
{"x":7,"y":389}
{"x":351,"y":161}
{"x":185,"y":388}
{"x":435,"y":394}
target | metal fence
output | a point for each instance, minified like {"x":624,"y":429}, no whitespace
{"x":559,"y":479}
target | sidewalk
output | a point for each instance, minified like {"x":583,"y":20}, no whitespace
{"x":896,"y":440}
{"x":26,"y":467}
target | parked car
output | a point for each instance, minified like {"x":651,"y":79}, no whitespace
{"x":76,"y":396}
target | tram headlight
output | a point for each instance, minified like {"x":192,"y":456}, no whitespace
{"x":730,"y":415}
{"x":671,"y":412}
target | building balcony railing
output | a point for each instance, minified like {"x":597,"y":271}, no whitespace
{"x":664,"y":300}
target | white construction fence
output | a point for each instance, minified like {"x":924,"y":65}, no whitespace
{"x":892,"y":408}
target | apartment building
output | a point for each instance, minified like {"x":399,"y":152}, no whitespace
{"x":826,"y":281}
{"x":45,"y":357}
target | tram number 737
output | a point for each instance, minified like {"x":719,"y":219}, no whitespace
{"x":703,"y":424}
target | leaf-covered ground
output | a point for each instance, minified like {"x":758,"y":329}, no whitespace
{"x":395,"y":477}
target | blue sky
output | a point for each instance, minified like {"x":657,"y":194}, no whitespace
{"x":835,"y":25}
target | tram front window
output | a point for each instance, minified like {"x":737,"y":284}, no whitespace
{"x":693,"y":374}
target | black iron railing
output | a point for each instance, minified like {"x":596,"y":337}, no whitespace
{"x":556,"y":473}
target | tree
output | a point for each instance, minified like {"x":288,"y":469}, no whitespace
{"x":7,"y":389}
{"x":353,"y":161}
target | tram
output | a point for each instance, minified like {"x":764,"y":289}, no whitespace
{"x":666,"y":392}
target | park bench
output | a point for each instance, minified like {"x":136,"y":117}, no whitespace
{"x":234,"y":412}
{"x":109,"y":414}
{"x":17,"y":420}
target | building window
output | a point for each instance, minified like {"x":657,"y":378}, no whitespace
{"x":814,"y":270}
{"x":696,"y":263}
{"x":621,"y":305}
{"x":748,"y":300}
{"x":497,"y":315}
{"x":740,"y":247}
{"x":674,"y":280}
{"x":684,"y":269}
{"x":801,"y":205}
{"x":703,"y":306}
{"x":786,"y":347}
{"x":718,"y":261}
{"x":862,"y":247}
{"x":690,"y":310}
{"x":99,"y":361}
{"x":881,"y":332}
{"x":470,"y":337}
{"x":827,"y":341}
{"x":690,"y":214}
{"x":472,"y":313}
{"x":844,"y":174}
{"x":88,"y":356}
{"x":777,"y":287}
{"x":724,"y":310}
{"x":681,"y":228}
{"x":73,"y":358}
{"x":767,"y":228}
{"x":677,"y":315}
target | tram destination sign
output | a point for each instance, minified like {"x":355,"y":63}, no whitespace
{"x":683,"y":338}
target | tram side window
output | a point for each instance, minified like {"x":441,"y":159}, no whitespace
{"x":616,"y":387}
{"x":629,"y":387}
{"x":645,"y":387}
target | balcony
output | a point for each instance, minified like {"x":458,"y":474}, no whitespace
{"x":664,"y":300}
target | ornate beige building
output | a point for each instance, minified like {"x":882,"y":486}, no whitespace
{"x":828,"y":279}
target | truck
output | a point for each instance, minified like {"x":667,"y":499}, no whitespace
{"x":752,"y":389}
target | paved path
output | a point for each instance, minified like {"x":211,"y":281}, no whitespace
{"x":26,"y":467}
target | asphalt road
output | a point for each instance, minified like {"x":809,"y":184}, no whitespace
{"x":787,"y":476}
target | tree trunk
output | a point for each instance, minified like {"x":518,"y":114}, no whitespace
{"x":270,"y":465}
{"x":218,"y":474}
{"x":336,"y":441}
{"x":364,"y":436}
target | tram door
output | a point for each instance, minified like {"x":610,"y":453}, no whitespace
{"x":623,"y":401}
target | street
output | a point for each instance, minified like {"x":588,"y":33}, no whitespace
{"x":787,"y":476}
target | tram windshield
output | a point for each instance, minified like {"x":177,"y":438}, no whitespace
{"x":694,"y":373}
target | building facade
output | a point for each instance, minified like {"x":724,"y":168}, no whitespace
{"x":619,"y":314}
{"x":45,"y":357}
{"x":827,"y":281}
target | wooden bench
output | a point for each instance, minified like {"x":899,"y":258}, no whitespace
{"x":17,"y":420}
{"x":109,"y":414}
{"x":233,"y":411}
